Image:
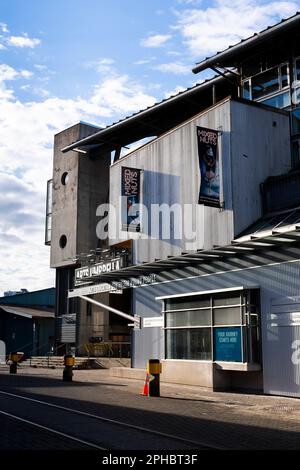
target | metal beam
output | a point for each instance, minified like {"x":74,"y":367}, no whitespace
{"x":108,"y":307}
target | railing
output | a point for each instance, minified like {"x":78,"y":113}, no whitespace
{"x":108,"y":349}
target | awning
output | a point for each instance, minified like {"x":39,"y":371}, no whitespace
{"x":27,"y":312}
{"x":245,"y":246}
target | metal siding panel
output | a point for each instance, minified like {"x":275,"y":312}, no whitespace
{"x":274,"y":281}
{"x":171,"y":175}
{"x":259,"y":149}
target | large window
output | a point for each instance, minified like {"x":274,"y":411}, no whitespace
{"x":219,"y":327}
{"x":270,"y":87}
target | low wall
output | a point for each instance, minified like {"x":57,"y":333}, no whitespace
{"x":202,"y":374}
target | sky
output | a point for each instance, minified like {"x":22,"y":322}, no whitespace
{"x":64,"y":61}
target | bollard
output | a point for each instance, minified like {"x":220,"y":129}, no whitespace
{"x":14,"y":357}
{"x":154,"y":368}
{"x":69,"y":362}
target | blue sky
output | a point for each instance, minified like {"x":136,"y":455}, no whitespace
{"x":96,"y":61}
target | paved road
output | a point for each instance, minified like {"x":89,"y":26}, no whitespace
{"x":42,"y":412}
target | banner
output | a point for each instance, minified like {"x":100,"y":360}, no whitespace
{"x":130,"y":192}
{"x":209,"y":193}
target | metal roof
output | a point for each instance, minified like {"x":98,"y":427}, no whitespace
{"x":231,"y":53}
{"x":27,"y":312}
{"x":247,"y":245}
{"x":156,"y":119}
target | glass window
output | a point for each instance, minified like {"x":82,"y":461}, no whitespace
{"x":188,"y":344}
{"x":284,"y":75}
{"x":182,"y":303}
{"x":265,"y":83}
{"x":234,"y":334}
{"x":296,"y":121}
{"x":188,"y":318}
{"x":246,"y":90}
{"x":297,"y":69}
{"x":296,"y":153}
{"x":221,"y":300}
{"x":227,"y":316}
{"x":279,"y":101}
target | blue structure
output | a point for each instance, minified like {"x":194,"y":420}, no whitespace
{"x":27,"y":322}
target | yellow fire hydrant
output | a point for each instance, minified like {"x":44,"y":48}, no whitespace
{"x":69,"y":362}
{"x":154,"y":369}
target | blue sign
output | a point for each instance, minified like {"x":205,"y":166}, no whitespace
{"x":228,"y":344}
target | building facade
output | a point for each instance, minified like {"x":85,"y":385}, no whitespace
{"x":195,"y":232}
{"x":27,"y":322}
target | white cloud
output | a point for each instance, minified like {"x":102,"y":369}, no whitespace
{"x":26,"y":74}
{"x":103,"y":66}
{"x":26,"y":140}
{"x":23,"y":41}
{"x":174,"y":92}
{"x":40,"y":67}
{"x":173,"y":67}
{"x":156,"y":40}
{"x":144,"y":61}
{"x":2,"y":48}
{"x":225,"y":22}
{"x":189,"y":2}
{"x":4,"y":28}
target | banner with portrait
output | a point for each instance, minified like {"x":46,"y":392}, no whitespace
{"x":209,"y":193}
{"x":130,"y":192}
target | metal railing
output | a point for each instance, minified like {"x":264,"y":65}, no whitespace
{"x":109,"y":349}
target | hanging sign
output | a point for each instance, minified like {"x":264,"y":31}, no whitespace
{"x":209,"y":193}
{"x":130,"y":192}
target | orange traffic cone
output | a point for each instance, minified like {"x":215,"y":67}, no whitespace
{"x":145,"y":391}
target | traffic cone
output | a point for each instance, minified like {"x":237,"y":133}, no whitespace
{"x":145,"y":391}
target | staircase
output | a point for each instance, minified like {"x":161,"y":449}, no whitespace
{"x":57,"y":362}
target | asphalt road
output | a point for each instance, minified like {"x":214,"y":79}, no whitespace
{"x":44,"y":413}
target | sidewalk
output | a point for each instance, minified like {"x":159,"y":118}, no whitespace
{"x":283,"y":408}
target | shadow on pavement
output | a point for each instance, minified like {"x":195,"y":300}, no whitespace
{"x":217,"y":425}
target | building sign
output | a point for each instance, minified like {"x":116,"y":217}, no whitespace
{"x":87,"y":273}
{"x":228,"y":344}
{"x":94,"y":289}
{"x":209,"y":193}
{"x":151,"y":322}
{"x":66,"y":325}
{"x":130,"y":192}
{"x":134,"y":282}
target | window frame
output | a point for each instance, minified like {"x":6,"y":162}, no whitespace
{"x":280,"y":91}
{"x":247,"y":348}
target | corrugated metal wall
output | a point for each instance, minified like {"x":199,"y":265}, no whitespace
{"x":281,"y":375}
{"x":253,"y":144}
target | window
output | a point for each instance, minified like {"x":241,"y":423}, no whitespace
{"x":279,"y":101}
{"x":188,"y":344}
{"x":219,"y":327}
{"x":265,"y":83}
{"x":296,"y":153}
{"x":297,"y":69}
{"x":48,"y":212}
{"x":295,"y":121}
{"x":269,"y":83}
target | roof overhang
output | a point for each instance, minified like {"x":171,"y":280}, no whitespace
{"x":247,"y":246}
{"x":234,"y":54}
{"x":155,"y":120}
{"x":27,"y":312}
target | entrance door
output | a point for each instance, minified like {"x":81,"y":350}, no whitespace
{"x":281,"y":348}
